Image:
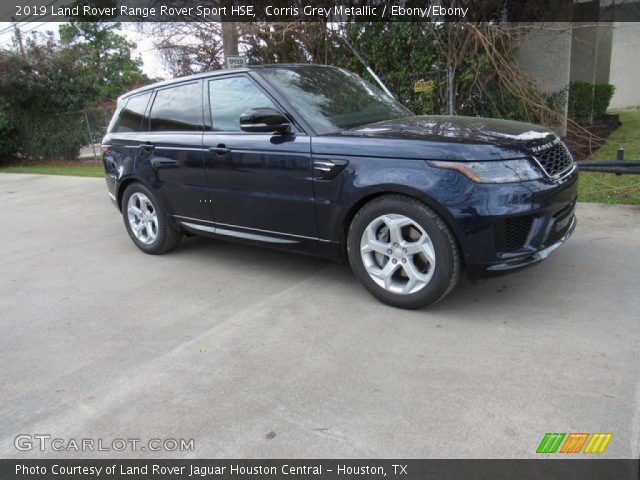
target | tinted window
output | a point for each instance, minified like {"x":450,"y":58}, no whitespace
{"x":230,"y":98}
{"x":333,"y":99}
{"x":132,"y":114}
{"x":177,"y":109}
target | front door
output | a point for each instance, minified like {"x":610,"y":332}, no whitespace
{"x":260,"y":184}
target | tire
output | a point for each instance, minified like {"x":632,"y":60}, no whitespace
{"x":424,"y":260}
{"x":156,"y":232}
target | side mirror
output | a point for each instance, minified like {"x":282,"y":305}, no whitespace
{"x":264,"y":120}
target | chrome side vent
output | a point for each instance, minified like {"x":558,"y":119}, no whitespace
{"x":328,"y":169}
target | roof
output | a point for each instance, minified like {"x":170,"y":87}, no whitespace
{"x":213,"y":73}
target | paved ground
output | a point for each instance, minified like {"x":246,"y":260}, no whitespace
{"x":256,"y":353}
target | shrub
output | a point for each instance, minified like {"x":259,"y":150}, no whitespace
{"x":51,"y":91}
{"x":602,"y":94}
{"x":588,"y":102}
{"x":580,"y":102}
{"x":7,"y":145}
{"x":52,"y":136}
{"x":39,"y":94}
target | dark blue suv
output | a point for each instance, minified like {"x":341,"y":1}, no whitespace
{"x":313,"y":159}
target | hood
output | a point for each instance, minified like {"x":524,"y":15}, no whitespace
{"x":435,"y":137}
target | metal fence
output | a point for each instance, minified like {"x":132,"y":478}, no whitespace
{"x":95,"y":122}
{"x":618,"y":166}
{"x":52,"y":136}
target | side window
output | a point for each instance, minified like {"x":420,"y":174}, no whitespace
{"x":177,"y":109}
{"x":132,"y":114}
{"x":231,"y":97}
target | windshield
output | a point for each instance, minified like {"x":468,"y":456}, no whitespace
{"x":332,"y":99}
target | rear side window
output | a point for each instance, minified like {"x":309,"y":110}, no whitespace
{"x":177,"y":109}
{"x":231,"y":97}
{"x":132,"y":114}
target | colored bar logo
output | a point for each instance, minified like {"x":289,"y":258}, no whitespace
{"x":598,"y":442}
{"x":573,"y":442}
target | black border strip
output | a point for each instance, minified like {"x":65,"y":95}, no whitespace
{"x":324,"y":10}
{"x":547,"y":467}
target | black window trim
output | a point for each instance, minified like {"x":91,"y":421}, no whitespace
{"x":298,"y":130}
{"x":145,"y":112}
{"x":154,"y":94}
{"x":270,"y":90}
{"x":113,"y":125}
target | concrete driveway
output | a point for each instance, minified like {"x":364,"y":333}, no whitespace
{"x":257,"y":353}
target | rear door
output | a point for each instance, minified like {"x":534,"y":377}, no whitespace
{"x":121,"y":144}
{"x":172,"y":150}
{"x":260,"y":184}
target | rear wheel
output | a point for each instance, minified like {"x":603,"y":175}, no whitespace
{"x":403,"y":252}
{"x":147,"y":222}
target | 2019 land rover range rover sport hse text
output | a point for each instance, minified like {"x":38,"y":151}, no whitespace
{"x":313,"y":159}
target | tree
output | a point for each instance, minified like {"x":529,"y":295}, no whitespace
{"x":105,"y":55}
{"x":46,"y":93}
{"x":194,"y":47}
{"x":229,"y":39}
{"x":188,"y":48}
{"x":478,"y":59}
{"x":36,"y":90}
{"x":289,"y":42}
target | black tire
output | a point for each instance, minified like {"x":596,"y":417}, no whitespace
{"x":168,"y":236}
{"x":448,"y":263}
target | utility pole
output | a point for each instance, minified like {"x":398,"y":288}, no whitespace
{"x":18,"y":34}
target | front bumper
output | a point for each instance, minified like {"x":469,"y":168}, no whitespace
{"x":536,"y":257}
{"x":503,"y":227}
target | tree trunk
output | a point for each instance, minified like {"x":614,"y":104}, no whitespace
{"x":229,"y":39}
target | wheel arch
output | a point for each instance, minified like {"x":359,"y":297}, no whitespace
{"x":122,"y":185}
{"x":367,"y":197}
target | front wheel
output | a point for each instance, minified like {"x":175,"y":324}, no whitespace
{"x":403,"y":252}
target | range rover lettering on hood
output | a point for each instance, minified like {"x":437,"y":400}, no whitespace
{"x":545,"y":146}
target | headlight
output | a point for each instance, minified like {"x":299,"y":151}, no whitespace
{"x":504,"y":171}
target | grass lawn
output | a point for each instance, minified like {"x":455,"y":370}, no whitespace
{"x":608,"y":187}
{"x":73,"y":170}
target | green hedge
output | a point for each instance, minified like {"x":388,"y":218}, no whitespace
{"x":602,"y":94}
{"x":580,"y":102}
{"x":51,"y":137}
{"x":7,"y":134}
{"x":589,"y":102}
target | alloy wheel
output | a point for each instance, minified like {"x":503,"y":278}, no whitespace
{"x":398,"y":254}
{"x":143,"y":218}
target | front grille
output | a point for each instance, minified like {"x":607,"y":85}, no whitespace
{"x":516,"y":232}
{"x":555,"y":160}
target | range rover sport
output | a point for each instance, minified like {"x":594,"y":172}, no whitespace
{"x":315,"y":160}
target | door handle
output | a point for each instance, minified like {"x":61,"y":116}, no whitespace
{"x":164,"y":163}
{"x":221,"y":149}
{"x":147,"y":147}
